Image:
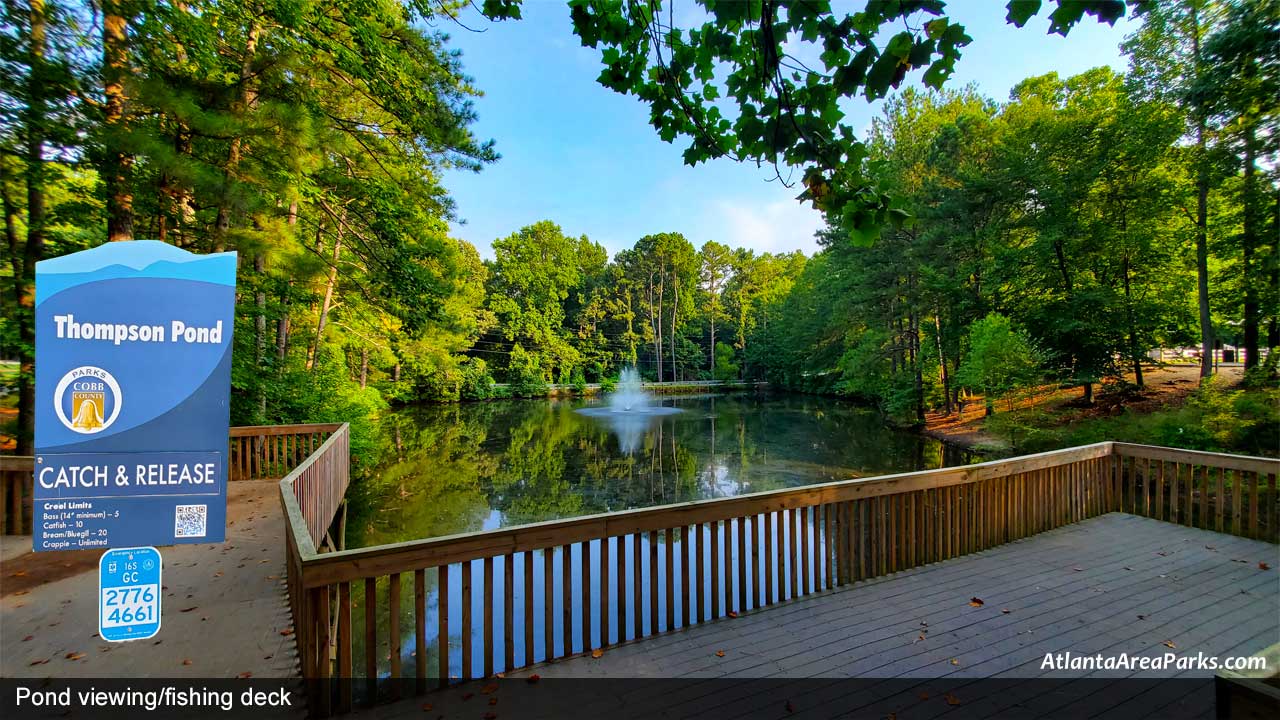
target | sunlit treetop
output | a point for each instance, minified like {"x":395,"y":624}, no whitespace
{"x":743,"y":84}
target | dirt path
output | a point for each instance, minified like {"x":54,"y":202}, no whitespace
{"x":1165,"y":388}
{"x":224,"y":613}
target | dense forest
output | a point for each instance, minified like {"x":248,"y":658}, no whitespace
{"x":975,"y":245}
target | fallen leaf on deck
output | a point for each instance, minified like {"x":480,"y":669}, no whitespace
{"x":287,"y":632}
{"x":39,"y":662}
{"x":597,"y":653}
{"x":1142,"y":617}
{"x":955,"y":661}
{"x":1005,"y":611}
{"x":74,"y":655}
{"x":186,"y":662}
{"x":733,"y":614}
{"x":1263,"y":566}
{"x":1169,"y":644}
{"x":919,"y":638}
{"x":20,"y":573}
{"x":952,"y":699}
{"x":27,"y":638}
{"x":493,"y":701}
{"x":719,"y":653}
{"x":976,"y":602}
{"x":426,"y":707}
{"x":489,"y":689}
{"x":533,"y":678}
{"x":24,"y":592}
{"x":245,"y":674}
{"x":924,"y":694}
{"x":193,"y":607}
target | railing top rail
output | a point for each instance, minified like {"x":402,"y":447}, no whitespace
{"x":1246,"y":463}
{"x":293,"y":511}
{"x":252,"y":430}
{"x":428,"y":552}
{"x":17,"y":462}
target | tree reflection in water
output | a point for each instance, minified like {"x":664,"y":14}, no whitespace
{"x":458,"y":468}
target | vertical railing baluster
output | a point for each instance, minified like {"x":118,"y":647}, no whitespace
{"x":741,"y":586}
{"x":606,"y":623}
{"x":371,"y":639}
{"x":566,"y":605}
{"x":467,"y":665}
{"x":669,"y":537}
{"x":486,"y":609}
{"x":715,"y":569}
{"x":548,"y":604}
{"x":344,"y":647}
{"x":508,"y":612}
{"x":420,"y":630}
{"x":654,"y":609}
{"x":637,"y":586}
{"x":442,"y":620}
{"x":584,"y":550}
{"x":526,"y":568}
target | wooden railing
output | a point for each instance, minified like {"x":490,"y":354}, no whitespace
{"x":269,"y":452}
{"x":15,"y":494}
{"x":585,"y":583}
{"x":508,"y":598}
{"x":255,"y":452}
{"x":1225,"y":493}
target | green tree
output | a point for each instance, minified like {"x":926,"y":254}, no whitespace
{"x":1000,"y":360}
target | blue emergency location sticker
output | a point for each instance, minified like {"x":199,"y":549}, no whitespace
{"x":129,"y":594}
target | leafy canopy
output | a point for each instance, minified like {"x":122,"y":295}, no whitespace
{"x":762,"y":80}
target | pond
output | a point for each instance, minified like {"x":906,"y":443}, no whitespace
{"x":478,"y":466}
{"x":451,"y":469}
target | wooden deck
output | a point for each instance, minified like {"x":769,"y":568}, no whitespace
{"x":1113,"y":584}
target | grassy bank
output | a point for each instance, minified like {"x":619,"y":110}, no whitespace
{"x":1173,"y":409}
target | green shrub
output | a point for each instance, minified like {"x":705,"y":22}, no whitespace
{"x":1001,"y":360}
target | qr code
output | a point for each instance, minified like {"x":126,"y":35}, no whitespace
{"x":189,"y":521}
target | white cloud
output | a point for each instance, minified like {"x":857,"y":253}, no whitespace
{"x":779,"y":226}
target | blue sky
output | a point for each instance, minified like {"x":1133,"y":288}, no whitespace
{"x":587,"y":158}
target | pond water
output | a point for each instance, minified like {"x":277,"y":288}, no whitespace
{"x":449,"y":469}
{"x":461,"y":468}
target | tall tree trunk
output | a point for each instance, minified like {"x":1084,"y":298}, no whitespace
{"x":943,"y":375}
{"x":222,"y":222}
{"x":117,"y":164}
{"x":712,"y":353}
{"x":24,"y":281}
{"x":364,"y":367}
{"x":260,"y":326}
{"x":1249,"y":243}
{"x":1134,"y":354}
{"x":917,"y":365}
{"x":655,"y":317}
{"x":328,"y":297}
{"x":1202,"y":215}
{"x":675,"y":313}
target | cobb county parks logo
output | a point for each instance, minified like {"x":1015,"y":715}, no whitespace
{"x":93,"y":402}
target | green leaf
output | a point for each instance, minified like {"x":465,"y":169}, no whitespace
{"x":1020,"y":11}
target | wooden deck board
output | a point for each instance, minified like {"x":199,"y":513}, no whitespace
{"x":1078,"y":588}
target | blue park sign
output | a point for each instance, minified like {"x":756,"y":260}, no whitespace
{"x":133,"y":381}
